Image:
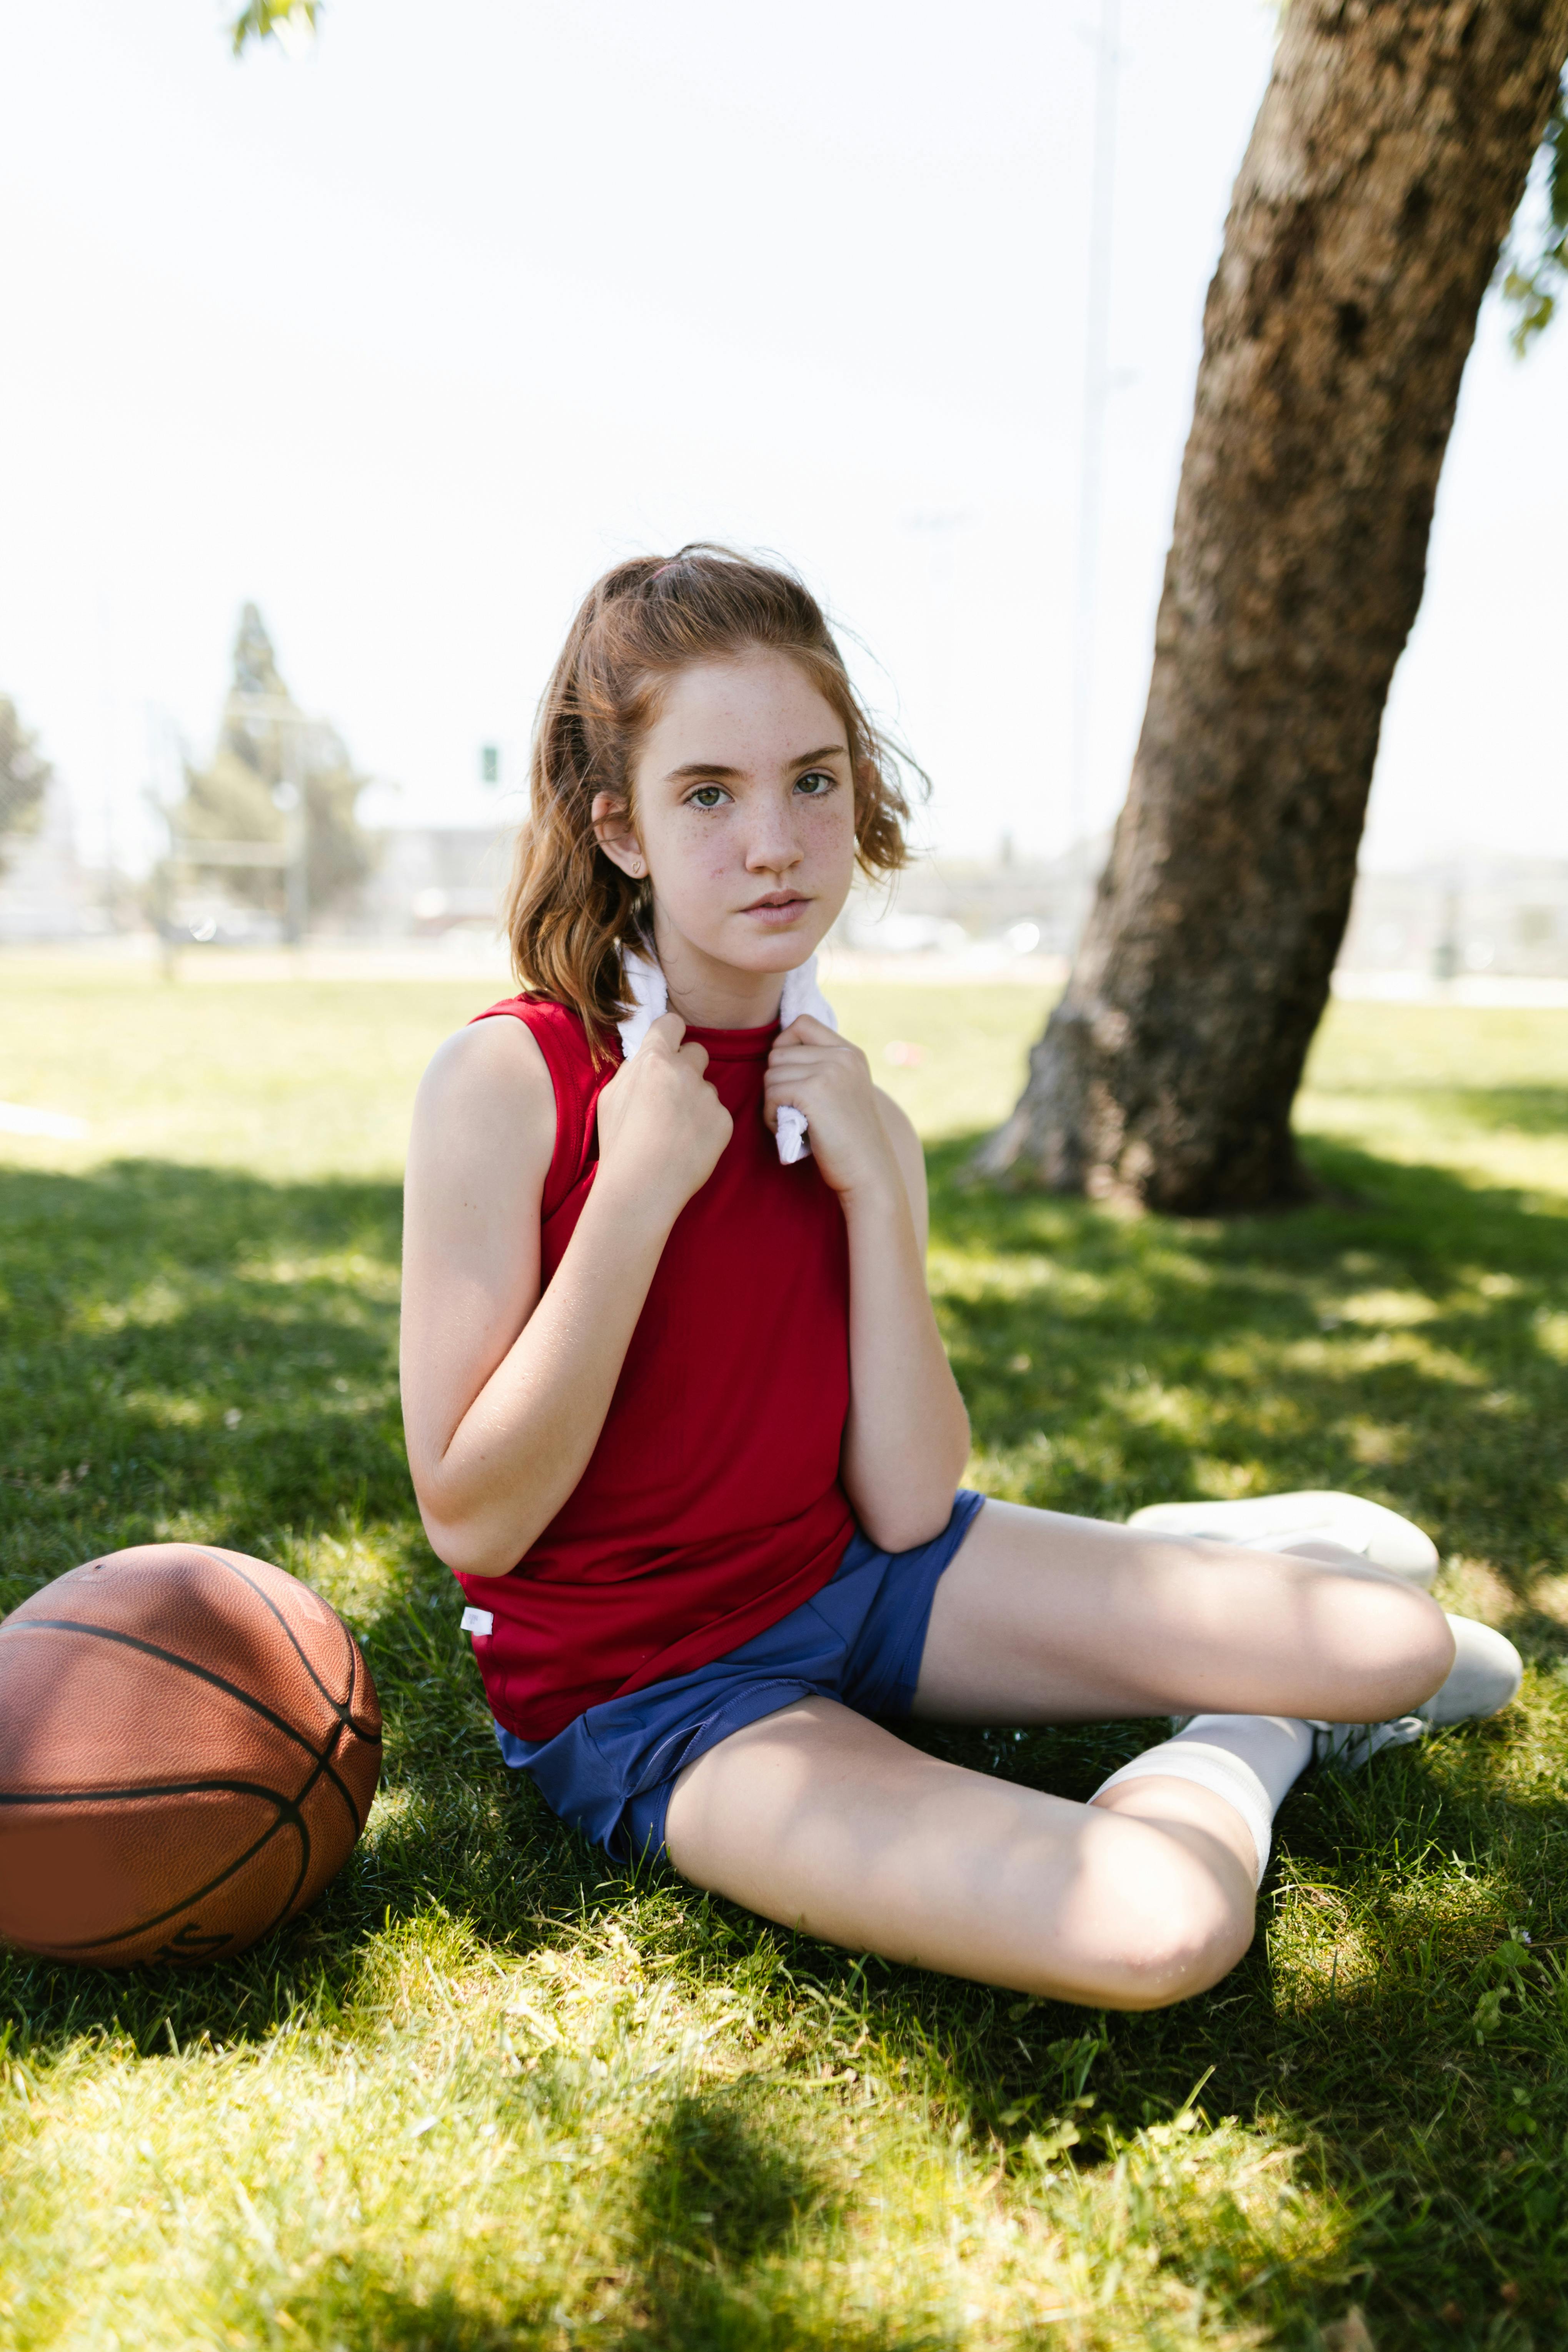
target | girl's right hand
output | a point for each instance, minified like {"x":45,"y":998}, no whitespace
{"x":662,"y":1127}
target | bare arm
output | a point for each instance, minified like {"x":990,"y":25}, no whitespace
{"x":505,"y":1390}
{"x":907,"y":1438}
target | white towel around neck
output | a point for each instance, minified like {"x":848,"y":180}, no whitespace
{"x":649,"y":993}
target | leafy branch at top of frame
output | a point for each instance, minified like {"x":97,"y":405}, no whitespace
{"x":293,"y":23}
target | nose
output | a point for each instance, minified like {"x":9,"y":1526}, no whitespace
{"x":772,"y":846}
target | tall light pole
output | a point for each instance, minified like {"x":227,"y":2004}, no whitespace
{"x":1096,"y":394}
{"x":106,"y":778}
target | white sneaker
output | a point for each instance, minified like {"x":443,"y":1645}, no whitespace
{"x":1266,"y":1521}
{"x":1348,"y":1745}
{"x":1484,"y":1678}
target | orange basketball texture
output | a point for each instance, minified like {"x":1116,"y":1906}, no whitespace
{"x":189,"y":1744}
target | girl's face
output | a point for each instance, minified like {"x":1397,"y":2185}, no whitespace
{"x":744,"y":816}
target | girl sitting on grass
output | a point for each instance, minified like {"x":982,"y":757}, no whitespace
{"x":681,"y":1422}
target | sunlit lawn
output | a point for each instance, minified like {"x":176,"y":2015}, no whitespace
{"x":492,"y":2094}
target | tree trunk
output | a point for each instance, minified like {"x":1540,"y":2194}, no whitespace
{"x":1387,"y":160}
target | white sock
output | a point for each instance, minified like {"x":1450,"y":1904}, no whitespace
{"x":1251,"y":1760}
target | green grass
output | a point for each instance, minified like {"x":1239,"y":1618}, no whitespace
{"x":492,"y":2094}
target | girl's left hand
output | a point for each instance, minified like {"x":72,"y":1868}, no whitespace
{"x":821,"y":1073}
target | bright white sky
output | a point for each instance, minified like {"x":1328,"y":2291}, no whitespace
{"x":408,"y":340}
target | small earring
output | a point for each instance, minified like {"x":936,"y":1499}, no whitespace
{"x":637,"y":865}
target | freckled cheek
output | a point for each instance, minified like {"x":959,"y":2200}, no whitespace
{"x":828,"y":831}
{"x":697,"y":859}
{"x":709,"y":868}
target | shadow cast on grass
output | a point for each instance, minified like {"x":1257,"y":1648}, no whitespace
{"x":719,"y":2193}
{"x":191,"y":1341}
{"x":1389,"y":2025}
{"x":705,"y":2222}
{"x":1409,"y":1346}
{"x":190,"y":1352}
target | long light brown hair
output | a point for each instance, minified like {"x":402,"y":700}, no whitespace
{"x":569,"y":909}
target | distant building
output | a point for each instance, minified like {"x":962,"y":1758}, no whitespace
{"x":44,"y":894}
{"x":431,"y":878}
{"x":1021,"y":906}
{"x":1479,"y":913}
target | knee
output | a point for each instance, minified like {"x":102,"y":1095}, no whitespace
{"x":1180,"y":1923}
{"x":1404,"y":1646}
{"x":1188,"y":1956}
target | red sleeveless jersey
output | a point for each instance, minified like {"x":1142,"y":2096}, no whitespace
{"x":711,"y":1506}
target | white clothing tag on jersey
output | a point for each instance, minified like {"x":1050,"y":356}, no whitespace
{"x":478,"y":1621}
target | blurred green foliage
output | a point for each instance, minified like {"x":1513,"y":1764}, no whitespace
{"x":260,"y":20}
{"x":1535,"y":266}
{"x":24,"y":777}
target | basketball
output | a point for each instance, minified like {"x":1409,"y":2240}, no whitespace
{"x":189,"y":1744}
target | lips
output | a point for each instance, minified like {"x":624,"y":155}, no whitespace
{"x":776,"y":902}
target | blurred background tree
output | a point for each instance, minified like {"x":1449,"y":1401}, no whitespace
{"x":24,"y":778}
{"x":1391,"y":153}
{"x":268,"y":751}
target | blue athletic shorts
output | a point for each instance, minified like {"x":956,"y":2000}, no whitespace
{"x":859,"y":1641}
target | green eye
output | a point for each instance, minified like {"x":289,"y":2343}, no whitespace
{"x":816,"y":783}
{"x":709,"y":796}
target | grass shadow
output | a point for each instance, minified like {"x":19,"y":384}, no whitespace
{"x":695,"y":2234}
{"x":191,"y":1351}
{"x":1411,"y":1347}
{"x":359,"y":2308}
{"x":719,"y":2196}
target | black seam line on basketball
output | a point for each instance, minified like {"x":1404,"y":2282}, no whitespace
{"x":151,"y":1788}
{"x":198,"y":1895}
{"x":330,"y":1768}
{"x":338,"y":1707}
{"x":323,"y":1766}
{"x":170,"y":1657}
{"x":286,"y":1805}
{"x":319,"y":1756}
{"x":331,"y":1775}
{"x":299,"y":1877}
{"x":266,"y":1602}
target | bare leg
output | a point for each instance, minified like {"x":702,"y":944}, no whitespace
{"x":820,"y":1819}
{"x":1046,"y":1618}
{"x":823,"y":1820}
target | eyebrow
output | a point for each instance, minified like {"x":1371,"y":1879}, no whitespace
{"x":712,"y":767}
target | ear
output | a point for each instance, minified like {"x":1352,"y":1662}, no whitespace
{"x":613,"y":834}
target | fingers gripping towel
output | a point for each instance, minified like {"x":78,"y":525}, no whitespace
{"x":649,"y":993}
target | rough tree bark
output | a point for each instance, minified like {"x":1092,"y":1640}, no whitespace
{"x":1389,"y":159}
